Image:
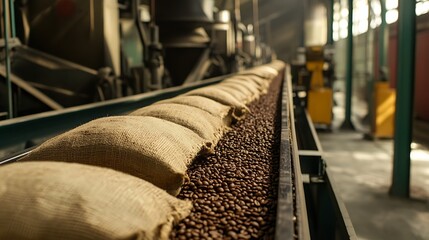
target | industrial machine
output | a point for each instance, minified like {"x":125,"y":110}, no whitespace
{"x":320,"y":95}
{"x":42,"y":82}
{"x":313,"y":75}
{"x":125,"y":47}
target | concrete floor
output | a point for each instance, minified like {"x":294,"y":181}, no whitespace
{"x":362,"y":172}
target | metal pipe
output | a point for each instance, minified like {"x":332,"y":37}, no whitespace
{"x":404,"y":99}
{"x":238,"y":35}
{"x":256,"y":21}
{"x":7,"y":59}
{"x":382,"y":38}
{"x":237,"y":10}
{"x":347,"y":124}
{"x":302,"y":13}
{"x":152,"y":12}
{"x":12,"y":18}
{"x":91,"y":16}
{"x":368,"y":67}
{"x":268,"y":30}
{"x":330,"y":37}
{"x":142,"y":34}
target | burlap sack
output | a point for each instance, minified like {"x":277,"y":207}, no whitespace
{"x":52,"y":200}
{"x":278,"y":65}
{"x":206,"y":125}
{"x":215,"y":108}
{"x":251,"y":91}
{"x":267,"y":70}
{"x":264,"y":71}
{"x":153,"y":149}
{"x":250,"y":85}
{"x":222,"y":97}
{"x":235,"y":92}
{"x":262,"y":83}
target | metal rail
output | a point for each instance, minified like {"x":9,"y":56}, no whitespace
{"x":291,"y":219}
{"x":287,"y":203}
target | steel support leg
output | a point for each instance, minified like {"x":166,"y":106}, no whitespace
{"x":12,"y":18}
{"x":347,"y":124}
{"x":382,"y":37}
{"x":404,"y":99}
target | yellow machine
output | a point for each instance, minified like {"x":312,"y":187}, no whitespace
{"x":320,"y":97}
{"x":384,"y":111}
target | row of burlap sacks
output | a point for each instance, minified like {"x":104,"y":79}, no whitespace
{"x":116,"y":177}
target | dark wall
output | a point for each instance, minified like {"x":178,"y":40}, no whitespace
{"x":281,"y":24}
{"x":421,"y":96}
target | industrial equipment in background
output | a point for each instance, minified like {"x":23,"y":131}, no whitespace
{"x":66,"y":53}
{"x":313,"y":74}
{"x":383,"y":109}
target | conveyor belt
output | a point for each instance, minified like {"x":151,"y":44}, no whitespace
{"x":251,"y":187}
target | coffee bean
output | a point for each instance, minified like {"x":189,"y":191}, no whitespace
{"x":234,"y":190}
{"x":255,"y":224}
{"x":238,"y":208}
{"x":233,"y":235}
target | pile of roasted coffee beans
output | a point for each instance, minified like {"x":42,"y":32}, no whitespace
{"x":234,"y":191}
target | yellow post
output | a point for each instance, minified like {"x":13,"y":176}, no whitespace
{"x":385,"y":98}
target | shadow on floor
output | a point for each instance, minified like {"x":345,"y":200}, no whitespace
{"x":362,"y":171}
